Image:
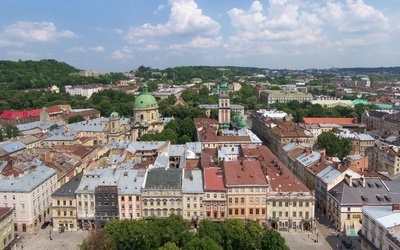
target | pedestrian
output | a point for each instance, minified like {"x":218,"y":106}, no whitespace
{"x":337,"y":245}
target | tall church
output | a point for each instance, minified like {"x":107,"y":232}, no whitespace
{"x":224,"y":107}
{"x":146,"y":119}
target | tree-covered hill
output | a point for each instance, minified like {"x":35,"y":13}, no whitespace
{"x":44,"y":73}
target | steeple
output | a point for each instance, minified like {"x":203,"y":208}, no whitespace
{"x":224,"y":107}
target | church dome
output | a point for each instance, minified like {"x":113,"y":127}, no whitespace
{"x":242,"y":123}
{"x":145,"y":99}
{"x":114,"y":115}
{"x":236,"y":118}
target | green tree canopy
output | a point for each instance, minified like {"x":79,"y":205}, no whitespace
{"x":75,"y":119}
{"x":273,"y":240}
{"x":334,"y":145}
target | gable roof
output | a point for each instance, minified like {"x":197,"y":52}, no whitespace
{"x":11,"y":114}
{"x":244,"y":173}
{"x":331,"y":120}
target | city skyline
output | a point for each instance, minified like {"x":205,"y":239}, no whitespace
{"x":120,"y":36}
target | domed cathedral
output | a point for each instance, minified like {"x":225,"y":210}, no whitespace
{"x":224,"y":107}
{"x":146,"y":119}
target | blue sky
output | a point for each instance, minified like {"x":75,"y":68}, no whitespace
{"x":120,"y":35}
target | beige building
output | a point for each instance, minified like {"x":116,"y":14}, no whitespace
{"x":282,"y":96}
{"x":215,"y":199}
{"x":64,"y":205}
{"x":193,"y":194}
{"x":6,"y":227}
{"x":246,"y":190}
{"x":129,"y":189}
{"x":346,"y":199}
{"x":384,"y":159}
{"x":30,"y":196}
{"x":162,"y":192}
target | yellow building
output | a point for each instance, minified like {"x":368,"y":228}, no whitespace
{"x":247,"y":190}
{"x":64,"y":205}
{"x":6,"y":227}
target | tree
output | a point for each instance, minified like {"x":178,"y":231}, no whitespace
{"x":208,"y":228}
{"x":232,"y":234}
{"x":273,"y":240}
{"x":11,"y":131}
{"x":205,"y":243}
{"x":54,"y":127}
{"x":97,"y":240}
{"x":75,"y":119}
{"x":1,"y":135}
{"x":334,"y":145}
{"x":169,"y":246}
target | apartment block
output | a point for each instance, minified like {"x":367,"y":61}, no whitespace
{"x":380,"y":227}
{"x":29,"y":194}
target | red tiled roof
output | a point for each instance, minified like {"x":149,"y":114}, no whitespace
{"x":4,"y":211}
{"x":311,"y":120}
{"x":10,"y":114}
{"x":54,"y":109}
{"x":243,"y":173}
{"x":212,"y":180}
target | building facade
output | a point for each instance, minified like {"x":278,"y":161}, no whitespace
{"x":6,"y":227}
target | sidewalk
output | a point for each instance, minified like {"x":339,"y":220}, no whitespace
{"x":48,"y":239}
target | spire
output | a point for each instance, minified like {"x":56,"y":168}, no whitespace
{"x":223,"y":82}
{"x":145,"y":88}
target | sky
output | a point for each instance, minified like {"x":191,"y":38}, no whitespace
{"x":121,"y":35}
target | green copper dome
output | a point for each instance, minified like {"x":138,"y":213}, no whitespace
{"x":145,"y":99}
{"x":242,"y":123}
{"x":224,"y":85}
{"x":114,"y":115}
{"x":235,"y":118}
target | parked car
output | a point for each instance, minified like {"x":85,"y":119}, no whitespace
{"x":45,"y":224}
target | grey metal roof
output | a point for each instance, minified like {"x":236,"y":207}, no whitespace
{"x":375,"y":191}
{"x":194,"y":146}
{"x":68,"y":189}
{"x":384,"y":215}
{"x":3,"y":164}
{"x":28,"y":181}
{"x":12,"y":147}
{"x":148,"y":146}
{"x":164,"y":178}
{"x":193,"y":182}
{"x":328,"y":174}
{"x":365,"y":137}
{"x":289,"y":146}
{"x":94,"y":125}
{"x":130,"y":182}
{"x":117,"y":144}
{"x":162,"y":161}
{"x":176,"y":150}
{"x":41,"y":124}
{"x":307,"y":160}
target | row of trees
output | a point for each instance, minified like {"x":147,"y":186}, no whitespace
{"x":307,"y":109}
{"x":173,"y":233}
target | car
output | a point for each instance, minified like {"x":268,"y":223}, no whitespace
{"x":45,"y":224}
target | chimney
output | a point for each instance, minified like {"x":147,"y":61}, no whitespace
{"x":349,"y":180}
{"x":362,"y":179}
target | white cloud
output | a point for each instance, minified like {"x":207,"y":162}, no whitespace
{"x":36,"y":32}
{"x":149,"y":47}
{"x":98,"y":49}
{"x":159,"y":8}
{"x":76,"y":49}
{"x":123,"y":54}
{"x":354,"y":17}
{"x":185,"y":18}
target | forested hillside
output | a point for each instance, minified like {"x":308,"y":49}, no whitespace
{"x":22,"y":75}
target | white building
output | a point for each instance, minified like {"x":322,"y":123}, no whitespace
{"x":30,"y":196}
{"x":86,"y":90}
{"x":381,"y":227}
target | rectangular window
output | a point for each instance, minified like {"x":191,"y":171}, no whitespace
{"x":274,"y":203}
{"x":230,"y":212}
{"x":236,"y":211}
{"x":294,"y":203}
{"x":300,"y":203}
{"x":280,"y":203}
{"x":286,"y":204}
{"x":294,"y":214}
{"x":258,"y":200}
{"x":286,"y":214}
{"x":273,"y":214}
{"x":307,"y":216}
{"x":251,"y":200}
{"x":250,"y":211}
{"x":242,"y":200}
{"x":215,"y":196}
{"x":242,"y":211}
{"x":236,"y":200}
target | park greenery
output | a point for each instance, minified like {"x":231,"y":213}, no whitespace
{"x":307,"y":109}
{"x":175,"y":233}
{"x":335,"y":146}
